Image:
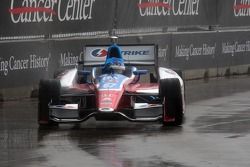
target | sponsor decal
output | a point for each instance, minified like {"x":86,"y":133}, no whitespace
{"x":110,"y":79}
{"x":103,"y":52}
{"x":106,"y":100}
{"x":241,"y":8}
{"x":135,"y":52}
{"x":113,"y":81}
{"x":106,"y":95}
{"x":35,"y":11}
{"x":168,"y":7}
{"x":99,"y":53}
{"x":109,"y":85}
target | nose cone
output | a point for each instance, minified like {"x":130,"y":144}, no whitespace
{"x":108,"y":100}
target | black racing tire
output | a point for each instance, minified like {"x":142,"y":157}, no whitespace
{"x":49,"y":92}
{"x":171,"y":95}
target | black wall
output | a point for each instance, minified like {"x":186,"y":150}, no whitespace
{"x":49,"y":17}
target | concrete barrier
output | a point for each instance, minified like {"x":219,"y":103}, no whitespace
{"x":37,"y":39}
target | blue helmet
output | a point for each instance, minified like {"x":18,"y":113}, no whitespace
{"x":114,"y":58}
{"x":114,"y":53}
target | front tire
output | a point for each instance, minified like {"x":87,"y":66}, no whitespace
{"x":171,"y":95}
{"x":49,"y":92}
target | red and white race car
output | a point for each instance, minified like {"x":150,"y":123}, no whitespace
{"x":109,"y":85}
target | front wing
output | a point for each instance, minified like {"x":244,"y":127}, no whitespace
{"x":145,"y":106}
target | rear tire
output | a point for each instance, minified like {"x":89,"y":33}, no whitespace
{"x":170,"y":92}
{"x":49,"y":92}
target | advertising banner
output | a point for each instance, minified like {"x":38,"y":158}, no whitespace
{"x":194,"y":50}
{"x":210,"y":50}
{"x":234,"y":48}
{"x":162,"y":42}
{"x":46,"y":17}
{"x":24,"y":63}
{"x":154,"y":13}
{"x":233,"y":12}
{"x":132,"y":54}
{"x":67,"y":53}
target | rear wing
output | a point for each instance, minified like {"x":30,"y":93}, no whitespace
{"x":132,"y":54}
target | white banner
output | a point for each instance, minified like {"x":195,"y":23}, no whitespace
{"x":136,"y":54}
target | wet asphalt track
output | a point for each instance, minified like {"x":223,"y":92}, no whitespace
{"x":216,"y":134}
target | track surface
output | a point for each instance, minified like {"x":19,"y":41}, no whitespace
{"x":216,"y":134}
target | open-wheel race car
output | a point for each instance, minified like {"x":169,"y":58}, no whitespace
{"x":111,"y":84}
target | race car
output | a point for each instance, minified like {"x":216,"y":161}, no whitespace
{"x":112,"y":83}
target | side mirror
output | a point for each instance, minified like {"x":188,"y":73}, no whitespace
{"x":82,"y":72}
{"x":140,"y":72}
